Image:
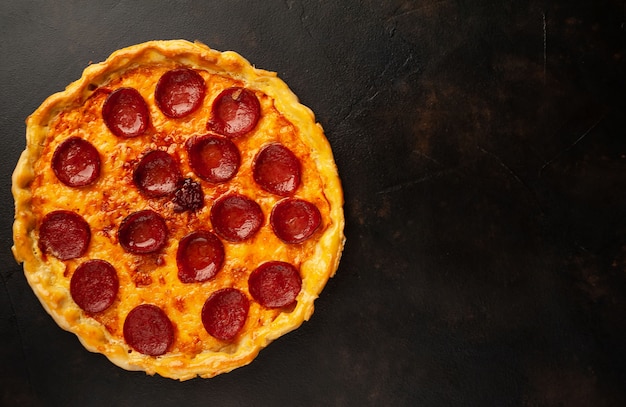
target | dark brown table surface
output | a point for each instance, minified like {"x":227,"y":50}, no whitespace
{"x":482,"y":148}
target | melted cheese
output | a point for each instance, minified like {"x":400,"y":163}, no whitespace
{"x":153,"y":278}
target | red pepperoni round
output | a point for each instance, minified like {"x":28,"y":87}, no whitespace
{"x":64,"y":234}
{"x":179,"y":92}
{"x":225,"y":313}
{"x":212,"y":158}
{"x":125,"y":113}
{"x":295,"y":220}
{"x":148,"y":330}
{"x":94,"y":286}
{"x":235,"y":112}
{"x":199,"y":257}
{"x":277,"y":170}
{"x":142,"y":232}
{"x":157,"y":174}
{"x":236,"y":217}
{"x":275,"y":284}
{"x":76,"y":162}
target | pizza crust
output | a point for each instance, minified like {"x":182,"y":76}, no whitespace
{"x":42,"y":271}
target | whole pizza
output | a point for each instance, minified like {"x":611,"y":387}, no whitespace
{"x":177,"y":209}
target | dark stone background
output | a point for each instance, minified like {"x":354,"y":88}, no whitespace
{"x":482,"y":148}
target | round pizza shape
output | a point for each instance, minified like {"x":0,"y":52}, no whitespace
{"x":177,"y":209}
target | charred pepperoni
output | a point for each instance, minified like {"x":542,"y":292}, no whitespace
{"x":235,"y":112}
{"x":179,"y":92}
{"x":225,"y":313}
{"x":236,"y":217}
{"x":189,"y":197}
{"x":94,"y":286}
{"x":295,"y":220}
{"x":277,"y":170}
{"x":212,"y":158}
{"x":275,"y":284}
{"x":76,"y":162}
{"x":148,"y":330}
{"x":157,"y":174}
{"x":199,"y":257}
{"x":143,"y":232}
{"x":64,"y":234}
{"x":126,"y":113}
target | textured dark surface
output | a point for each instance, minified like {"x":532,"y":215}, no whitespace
{"x":482,"y":148}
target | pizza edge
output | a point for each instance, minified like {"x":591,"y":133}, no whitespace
{"x":55,"y":298}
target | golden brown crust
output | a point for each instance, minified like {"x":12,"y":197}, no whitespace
{"x":35,"y":193}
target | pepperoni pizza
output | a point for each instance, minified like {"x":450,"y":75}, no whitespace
{"x":177,"y":209}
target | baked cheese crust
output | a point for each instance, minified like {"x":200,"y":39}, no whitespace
{"x":152,"y":278}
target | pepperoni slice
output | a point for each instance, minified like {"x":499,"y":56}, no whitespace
{"x":64,"y":234}
{"x":148,"y":330}
{"x":189,"y":197}
{"x":199,"y":257}
{"x":295,"y":220}
{"x":235,"y":112}
{"x":225,"y":313}
{"x":125,"y":113}
{"x":157,"y":174}
{"x":94,"y":286}
{"x":236,"y":217}
{"x":213,"y":158}
{"x":277,"y":170}
{"x":142,"y":232}
{"x":76,"y":162}
{"x":179,"y":92}
{"x":275,"y":284}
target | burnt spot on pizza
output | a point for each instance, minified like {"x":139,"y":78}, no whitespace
{"x":188,"y":197}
